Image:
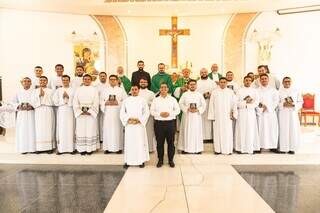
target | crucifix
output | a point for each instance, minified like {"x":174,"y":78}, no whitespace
{"x":174,"y":32}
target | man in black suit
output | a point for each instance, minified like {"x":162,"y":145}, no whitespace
{"x":140,"y":73}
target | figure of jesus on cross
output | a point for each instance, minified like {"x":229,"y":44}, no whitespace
{"x":174,"y":32}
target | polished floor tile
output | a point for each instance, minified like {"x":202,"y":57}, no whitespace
{"x":286,"y":188}
{"x":57,"y":188}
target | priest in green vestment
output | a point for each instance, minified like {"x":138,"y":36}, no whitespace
{"x":159,"y":78}
{"x":181,"y":84}
{"x":214,"y":75}
{"x":125,"y":81}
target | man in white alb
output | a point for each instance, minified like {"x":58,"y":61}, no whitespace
{"x":25,"y":128}
{"x":44,"y":117}
{"x":101,"y":86}
{"x":222,"y":110}
{"x":56,"y":81}
{"x":246,"y":134}
{"x":86,"y":107}
{"x":110,"y":103}
{"x":192,"y":104}
{"x":148,"y":96}
{"x":289,"y":126}
{"x":134,"y":115}
{"x":267,"y":115}
{"x":63,"y":99}
{"x":77,"y":81}
{"x":38,"y":72}
{"x":205,"y":86}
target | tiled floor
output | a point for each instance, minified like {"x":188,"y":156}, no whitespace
{"x":57,"y":188}
{"x":199,"y":183}
{"x":287,"y":189}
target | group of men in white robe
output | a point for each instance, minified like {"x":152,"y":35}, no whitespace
{"x":75,"y":115}
{"x":250,"y":118}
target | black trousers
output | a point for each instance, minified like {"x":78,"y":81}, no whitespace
{"x":165,"y":131}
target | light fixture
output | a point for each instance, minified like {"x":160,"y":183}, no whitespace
{"x":305,"y":9}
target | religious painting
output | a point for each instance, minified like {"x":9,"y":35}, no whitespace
{"x":87,"y":54}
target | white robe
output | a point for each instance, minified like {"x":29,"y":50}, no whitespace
{"x":44,"y":120}
{"x":112,"y":127}
{"x":233,"y":86}
{"x":55,"y":82}
{"x":65,"y":118}
{"x":76,"y":82}
{"x":191,"y":135}
{"x":25,"y":127}
{"x":86,"y":125}
{"x":289,"y":125}
{"x":136,"y":149}
{"x":205,"y":86}
{"x":246,"y":134}
{"x":273,"y":82}
{"x":101,"y":87}
{"x":148,"y":96}
{"x":222,"y":103}
{"x":35,"y":82}
{"x":268,"y":127}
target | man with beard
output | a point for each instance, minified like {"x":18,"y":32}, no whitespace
{"x":182,"y":83}
{"x":267,"y":114}
{"x":123,"y":80}
{"x":137,"y":75}
{"x":161,"y":77}
{"x":206,"y":87}
{"x":192,"y":104}
{"x":231,"y":84}
{"x":78,"y":81}
{"x":148,"y":95}
{"x":214,"y":75}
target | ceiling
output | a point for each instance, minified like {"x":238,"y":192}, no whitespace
{"x":154,"y":7}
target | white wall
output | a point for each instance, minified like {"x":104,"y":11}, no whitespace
{"x":296,"y":54}
{"x":28,"y":39}
{"x":202,"y":47}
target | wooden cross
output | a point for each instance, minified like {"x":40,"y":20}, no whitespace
{"x":174,"y":32}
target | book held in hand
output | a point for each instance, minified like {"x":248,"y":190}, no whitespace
{"x":193,"y":106}
{"x":230,"y":87}
{"x":85,"y":109}
{"x":112,"y":98}
{"x":289,"y":100}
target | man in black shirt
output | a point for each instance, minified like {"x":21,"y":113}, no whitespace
{"x":140,"y":73}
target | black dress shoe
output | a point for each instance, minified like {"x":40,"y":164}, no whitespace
{"x":257,"y":152}
{"x":274,"y":150}
{"x":291,"y":152}
{"x":184,"y":153}
{"x":141,"y":166}
{"x":125,"y":166}
{"x":217,"y":153}
{"x":89,"y":153}
{"x":106,"y":152}
{"x":37,"y":152}
{"x":83,"y":153}
{"x":159,"y":164}
{"x":171,"y":164}
{"x":24,"y":153}
{"x":58,"y":153}
{"x":73,"y":153}
{"x":50,"y":152}
{"x":199,"y":153}
{"x":119,"y":152}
